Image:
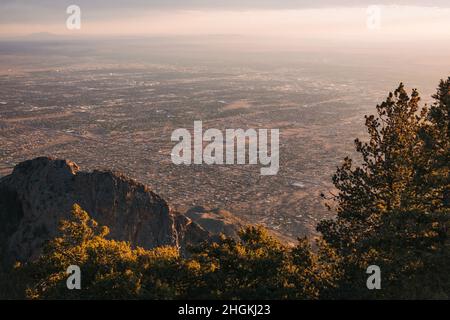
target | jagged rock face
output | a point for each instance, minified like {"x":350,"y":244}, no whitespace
{"x":40,"y":192}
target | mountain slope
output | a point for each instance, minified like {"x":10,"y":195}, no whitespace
{"x":40,"y":192}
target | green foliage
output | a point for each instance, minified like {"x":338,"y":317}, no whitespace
{"x":393,"y":210}
{"x":256,"y":267}
{"x":109,"y":267}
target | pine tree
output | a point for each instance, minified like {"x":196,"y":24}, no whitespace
{"x":109,"y":269}
{"x":390,"y":208}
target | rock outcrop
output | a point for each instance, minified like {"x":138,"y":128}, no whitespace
{"x":40,"y":192}
{"x":216,"y":221}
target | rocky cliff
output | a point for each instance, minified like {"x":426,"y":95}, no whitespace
{"x":40,"y":192}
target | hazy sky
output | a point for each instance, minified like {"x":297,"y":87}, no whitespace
{"x":399,"y":20}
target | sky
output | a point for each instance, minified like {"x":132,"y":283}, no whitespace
{"x":400,"y":20}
